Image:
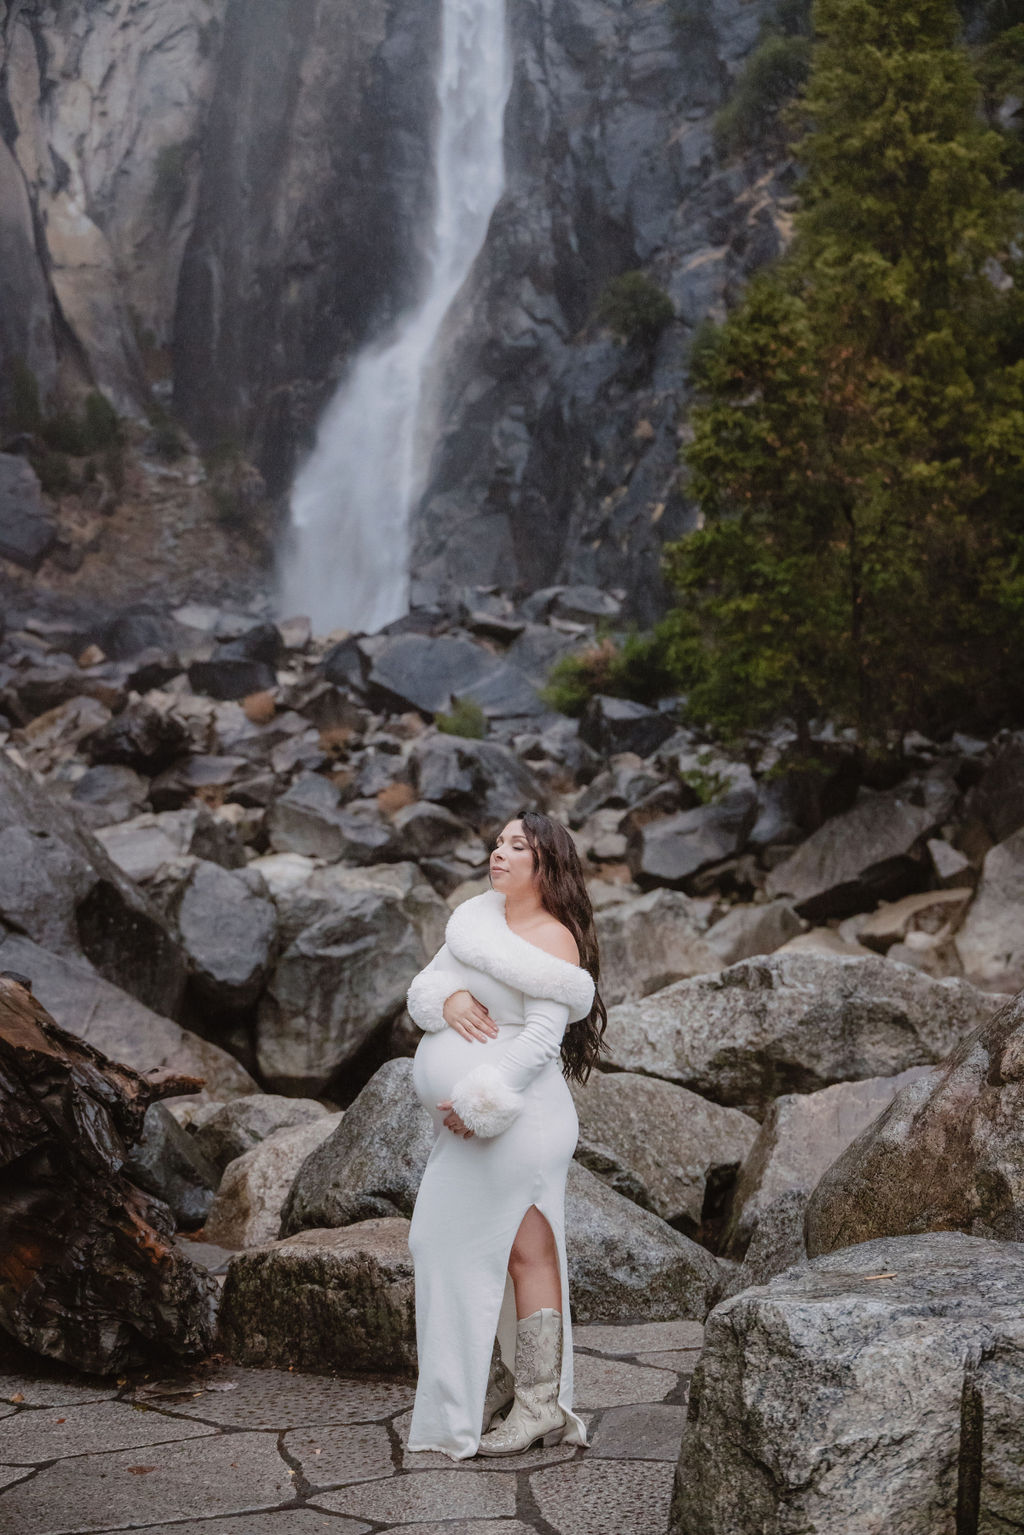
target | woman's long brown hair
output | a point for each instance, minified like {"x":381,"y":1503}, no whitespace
{"x":563,"y":892}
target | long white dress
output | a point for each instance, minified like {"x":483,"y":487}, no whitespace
{"x":511,"y":1092}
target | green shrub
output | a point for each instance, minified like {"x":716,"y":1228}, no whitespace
{"x":774,"y":73}
{"x":466,"y":719}
{"x":635,"y":308}
{"x":25,"y":413}
{"x":634,"y":668}
{"x":96,"y":429}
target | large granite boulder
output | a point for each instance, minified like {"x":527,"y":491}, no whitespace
{"x":228,"y":929}
{"x":414,"y":670}
{"x":372,"y":1163}
{"x":672,"y":849}
{"x":947,"y":1154}
{"x":650,"y":941}
{"x":304,"y":894}
{"x":234,"y":1128}
{"x":749,"y":930}
{"x":792,"y":1022}
{"x":324,"y":1299}
{"x":879,"y":1389}
{"x":626,"y":1264}
{"x":118,"y":1024}
{"x":59,"y":888}
{"x":339,"y":982}
{"x":876,"y":851}
{"x":990,"y":943}
{"x":658,"y":1144}
{"x":800,"y":1137}
{"x":247,"y":1209}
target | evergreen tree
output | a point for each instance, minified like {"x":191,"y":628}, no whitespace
{"x":858,"y":453}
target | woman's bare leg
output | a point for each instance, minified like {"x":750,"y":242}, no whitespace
{"x":533,"y":1264}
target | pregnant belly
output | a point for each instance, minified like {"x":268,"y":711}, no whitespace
{"x":442,"y":1059}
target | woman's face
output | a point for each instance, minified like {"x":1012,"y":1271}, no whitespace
{"x":512,"y":870}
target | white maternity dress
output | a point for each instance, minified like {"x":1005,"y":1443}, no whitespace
{"x":511,"y":1092}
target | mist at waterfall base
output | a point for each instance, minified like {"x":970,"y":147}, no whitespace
{"x":347,"y":554}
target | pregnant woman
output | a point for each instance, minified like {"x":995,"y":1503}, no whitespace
{"x":510,"y":1009}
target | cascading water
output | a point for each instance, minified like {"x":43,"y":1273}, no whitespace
{"x":348,"y":557}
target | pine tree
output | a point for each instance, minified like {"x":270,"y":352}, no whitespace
{"x":858,"y":453}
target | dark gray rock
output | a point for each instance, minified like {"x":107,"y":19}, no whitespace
{"x":426,"y":830}
{"x":748,"y":930}
{"x":619,"y":787}
{"x":835,"y":1400}
{"x":671,"y":850}
{"x":108,"y":793}
{"x":414,"y":670}
{"x":28,"y":530}
{"x":224,"y":676}
{"x":777,"y":1243}
{"x":310,"y":818}
{"x":167,"y":1162}
{"x":228,"y":928}
{"x":140,"y":737}
{"x":134,"y":631}
{"x":946,"y":1154}
{"x":619,"y":725}
{"x":236,"y":1127}
{"x":262,"y":642}
{"x":585,"y":604}
{"x":479,"y":780}
{"x":997,"y":799}
{"x":346,"y":665}
{"x":373,"y":1162}
{"x":792,"y":1022}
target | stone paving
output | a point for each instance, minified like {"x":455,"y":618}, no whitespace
{"x":219,"y":1450}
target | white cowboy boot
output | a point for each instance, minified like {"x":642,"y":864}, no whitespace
{"x":535,"y":1410}
{"x":500,"y":1388}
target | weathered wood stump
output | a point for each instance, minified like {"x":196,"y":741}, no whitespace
{"x":89,"y":1273}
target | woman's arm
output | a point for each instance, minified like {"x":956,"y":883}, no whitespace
{"x":430,"y":990}
{"x":490,"y":1098}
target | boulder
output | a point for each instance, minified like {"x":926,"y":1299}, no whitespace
{"x":947,"y":1154}
{"x":118,"y":1024}
{"x":59,"y":888}
{"x":107,"y":794}
{"x":792,"y":1022}
{"x":323,"y":1300}
{"x":135,"y":630}
{"x":228,"y":929}
{"x":650,"y":941}
{"x":626,"y":1264}
{"x":777,"y":1243}
{"x":932,"y":915}
{"x":28,"y":530}
{"x":990,"y":943}
{"x":226,"y":676}
{"x":420,"y":672}
{"x":832,"y":1399}
{"x":337,"y":983}
{"x":949,"y":865}
{"x":143,"y":846}
{"x":659,"y":1145}
{"x":167,"y":1162}
{"x":140,"y":737}
{"x":612,"y":725}
{"x":373,"y":1162}
{"x":304,"y":898}
{"x":799,"y":1139}
{"x":234,"y":1128}
{"x":670,"y":850}
{"x":310,"y":818}
{"x":624,"y":783}
{"x":479,"y":780}
{"x":749,"y":930}
{"x":997,"y":799}
{"x":247,"y":1209}
{"x":874,"y":852}
{"x":585,"y":605}
{"x":425,"y":830}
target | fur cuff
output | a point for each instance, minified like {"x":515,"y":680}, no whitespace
{"x":484,"y":1101}
{"x":426,"y":998}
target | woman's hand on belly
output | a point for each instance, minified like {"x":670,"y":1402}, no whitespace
{"x":452,"y":1121}
{"x":469,"y":1018}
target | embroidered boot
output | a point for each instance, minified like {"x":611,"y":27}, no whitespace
{"x":535,"y":1410}
{"x":500,"y":1388}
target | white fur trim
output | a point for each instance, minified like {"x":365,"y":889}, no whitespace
{"x":426,"y":997}
{"x":484,"y":1101}
{"x":478,"y":935}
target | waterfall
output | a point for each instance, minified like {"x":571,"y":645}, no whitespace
{"x":347,"y":562}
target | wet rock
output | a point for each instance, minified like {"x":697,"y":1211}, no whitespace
{"x":324,"y":1299}
{"x":801,"y":1136}
{"x":140,"y":737}
{"x":234,"y":1128}
{"x":626,"y":1264}
{"x":792,"y":1022}
{"x":247,"y":1209}
{"x":228,"y":928}
{"x":990,"y":944}
{"x":874,"y":852}
{"x":28,"y":529}
{"x":659,"y":1144}
{"x":612,"y":725}
{"x":310,"y":818}
{"x":946,"y":1154}
{"x":749,"y":930}
{"x":669,"y":851}
{"x":345,"y":665}
{"x":372,"y":1163}
{"x":834,"y":1400}
{"x":651,"y":940}
{"x":168,"y":1163}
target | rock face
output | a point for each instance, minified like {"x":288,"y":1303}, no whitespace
{"x":247,"y":1209}
{"x":649,"y":942}
{"x":27,"y":528}
{"x":946,"y":1155}
{"x":373,"y":1162}
{"x":801,"y":1136}
{"x":832,"y":1400}
{"x":324,"y":1300}
{"x":792,"y":1022}
{"x":228,"y":929}
{"x":658,"y":1144}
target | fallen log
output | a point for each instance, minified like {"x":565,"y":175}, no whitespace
{"x":89,"y":1271}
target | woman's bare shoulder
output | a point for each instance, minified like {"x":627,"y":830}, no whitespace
{"x":555,"y":938}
